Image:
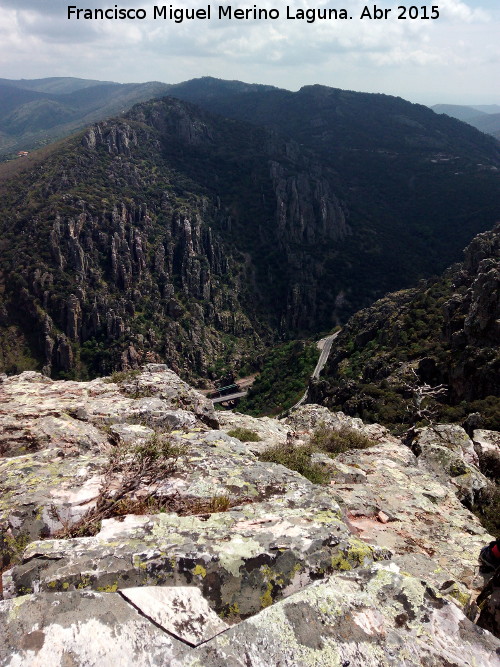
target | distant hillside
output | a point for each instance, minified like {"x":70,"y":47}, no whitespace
{"x":485,"y":118}
{"x":55,"y":84}
{"x":488,"y":108}
{"x":445,"y":331}
{"x":459,"y":111}
{"x":36,"y":112}
{"x":174,"y":233}
{"x":490,"y":123}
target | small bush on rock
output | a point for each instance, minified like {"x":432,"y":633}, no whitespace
{"x":122,"y":376}
{"x":11,"y":550}
{"x":298,"y":459}
{"x":244,"y":434}
{"x":128,"y":469}
{"x":333,"y":441}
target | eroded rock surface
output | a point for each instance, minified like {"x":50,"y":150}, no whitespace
{"x":243,"y":559}
{"x":404,"y":507}
{"x":38,"y":413}
{"x":374,"y":618}
{"x":238,"y":561}
{"x":81,"y":628}
{"x":270,"y":431}
{"x":448,"y":452}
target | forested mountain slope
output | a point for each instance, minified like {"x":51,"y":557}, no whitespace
{"x":174,"y":234}
{"x":485,"y":118}
{"x":409,"y":178}
{"x":444,"y":332}
{"x":35,"y":112}
{"x":167,"y":234}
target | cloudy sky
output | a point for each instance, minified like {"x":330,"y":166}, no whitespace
{"x":454,"y":59}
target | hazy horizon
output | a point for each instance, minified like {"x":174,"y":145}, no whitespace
{"x":454,"y":59}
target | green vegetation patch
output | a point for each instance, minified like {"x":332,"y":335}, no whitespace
{"x":332,"y":441}
{"x":244,"y":434}
{"x":298,"y":459}
{"x":284,"y":377}
{"x":324,"y":440}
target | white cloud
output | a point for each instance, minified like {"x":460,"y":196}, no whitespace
{"x":455,"y":53}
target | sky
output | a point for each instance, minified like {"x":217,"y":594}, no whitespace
{"x":453,"y":59}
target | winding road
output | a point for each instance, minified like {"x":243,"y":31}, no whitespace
{"x":325,"y":345}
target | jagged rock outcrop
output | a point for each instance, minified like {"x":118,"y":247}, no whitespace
{"x":378,"y":617}
{"x":37,"y":414}
{"x":171,"y":234}
{"x":447,"y":450}
{"x":359,"y":569}
{"x":487,"y":447}
{"x":444,"y":332}
{"x":137,"y":254}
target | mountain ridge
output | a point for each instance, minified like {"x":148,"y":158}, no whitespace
{"x":443,"y":333}
{"x":287,"y":239}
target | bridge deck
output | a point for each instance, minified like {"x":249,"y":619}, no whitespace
{"x":229,"y":397}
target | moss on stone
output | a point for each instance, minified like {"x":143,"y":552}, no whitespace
{"x":111,"y":588}
{"x":339,"y":562}
{"x":358,"y":552}
{"x":266,"y":599}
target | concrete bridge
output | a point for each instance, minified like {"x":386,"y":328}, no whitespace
{"x":228,"y":397}
{"x":325,"y":345}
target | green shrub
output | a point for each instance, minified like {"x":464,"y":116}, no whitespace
{"x":128,"y":470}
{"x":123,"y":376}
{"x":11,"y":548}
{"x":488,"y":511}
{"x":298,"y":459}
{"x":244,"y":434}
{"x":489,"y":464}
{"x":334,"y":441}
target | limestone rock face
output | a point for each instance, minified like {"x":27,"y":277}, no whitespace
{"x":181,"y":610}
{"x":80,"y":628}
{"x":270,"y":431}
{"x":39,"y":413}
{"x":395,"y":503}
{"x":223,"y":558}
{"x":306,"y":418}
{"x":487,"y":447}
{"x":486,"y":440}
{"x":378,"y":617}
{"x":242,"y":559}
{"x":157,"y":264}
{"x":42,"y":492}
{"x":371,"y":617}
{"x":450,"y":436}
{"x":449,"y":453}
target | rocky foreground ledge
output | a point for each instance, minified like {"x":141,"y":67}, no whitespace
{"x":210,"y":556}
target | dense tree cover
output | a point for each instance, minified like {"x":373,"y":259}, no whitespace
{"x":445,"y":332}
{"x":38,"y":111}
{"x":173,"y":234}
{"x":283,"y":379}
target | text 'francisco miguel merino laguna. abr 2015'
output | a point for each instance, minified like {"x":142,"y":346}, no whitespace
{"x":254,"y":13}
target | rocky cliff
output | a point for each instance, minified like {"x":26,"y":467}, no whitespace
{"x":171,"y":234}
{"x":388,"y":357}
{"x":129,"y":514}
{"x":167,"y":234}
